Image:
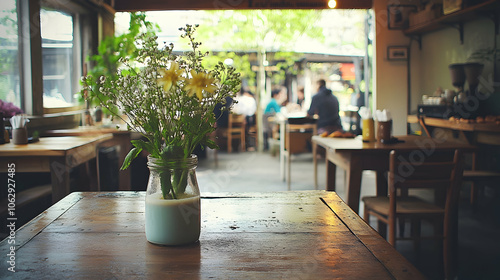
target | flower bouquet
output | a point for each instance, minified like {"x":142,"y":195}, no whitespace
{"x":169,"y":99}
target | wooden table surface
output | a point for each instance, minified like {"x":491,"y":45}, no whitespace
{"x":88,"y":130}
{"x":51,"y":146}
{"x":296,"y":235}
{"x":353,"y":155}
{"x":56,"y":155}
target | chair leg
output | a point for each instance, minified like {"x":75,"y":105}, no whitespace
{"x":415,"y":233}
{"x":450,"y":245}
{"x":289,"y":170}
{"x":243,"y":141}
{"x":392,"y":231}
{"x":229,"y":143}
{"x":401,"y":223}
{"x":366,"y":215}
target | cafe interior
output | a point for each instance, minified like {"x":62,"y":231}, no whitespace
{"x":433,"y":69}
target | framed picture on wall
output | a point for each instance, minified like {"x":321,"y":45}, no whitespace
{"x":397,"y":53}
{"x":398,"y":16}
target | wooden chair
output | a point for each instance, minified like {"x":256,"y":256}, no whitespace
{"x":253,"y":133}
{"x":440,"y":172}
{"x":296,"y":138}
{"x":482,"y":173}
{"x":235,"y":130}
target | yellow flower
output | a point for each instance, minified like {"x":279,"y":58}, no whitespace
{"x":170,"y":77}
{"x":200,"y":82}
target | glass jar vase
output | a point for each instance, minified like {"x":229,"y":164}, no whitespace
{"x":172,"y":202}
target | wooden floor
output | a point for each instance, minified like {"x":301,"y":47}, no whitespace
{"x":479,"y":229}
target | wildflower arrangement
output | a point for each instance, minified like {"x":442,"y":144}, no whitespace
{"x":169,"y":99}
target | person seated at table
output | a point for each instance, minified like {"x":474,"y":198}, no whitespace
{"x":247,"y":106}
{"x":326,"y":106}
{"x":274,"y":106}
{"x":301,"y":97}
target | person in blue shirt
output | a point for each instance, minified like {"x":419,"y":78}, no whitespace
{"x":326,"y":106}
{"x":273,"y":106}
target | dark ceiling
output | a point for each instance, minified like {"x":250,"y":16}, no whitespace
{"x":156,"y":5}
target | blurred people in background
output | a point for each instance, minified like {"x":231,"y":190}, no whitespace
{"x":292,"y":107}
{"x":357,"y":97}
{"x":246,"y":105}
{"x":326,"y":106}
{"x":274,"y":106}
{"x":300,"y":96}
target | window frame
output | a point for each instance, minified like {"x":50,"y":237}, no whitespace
{"x":86,"y":32}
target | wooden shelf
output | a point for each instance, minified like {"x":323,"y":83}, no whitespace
{"x":444,"y":123}
{"x":457,"y":18}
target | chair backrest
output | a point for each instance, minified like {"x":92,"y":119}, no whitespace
{"x":297,"y":136}
{"x":438,"y":170}
{"x":236,"y":120}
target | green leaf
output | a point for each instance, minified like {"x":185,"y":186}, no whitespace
{"x":172,"y":152}
{"x":143,"y":145}
{"x":130,"y":157}
{"x":211,"y":144}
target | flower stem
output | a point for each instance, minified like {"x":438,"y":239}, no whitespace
{"x":166,"y":185}
{"x":180,"y":181}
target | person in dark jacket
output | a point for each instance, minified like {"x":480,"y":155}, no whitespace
{"x":326,"y":106}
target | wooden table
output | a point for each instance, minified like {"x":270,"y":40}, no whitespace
{"x":284,"y":124}
{"x":296,"y":235}
{"x":354,"y":156}
{"x":121,"y":138}
{"x":56,"y":155}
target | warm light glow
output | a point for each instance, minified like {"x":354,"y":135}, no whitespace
{"x":332,"y":4}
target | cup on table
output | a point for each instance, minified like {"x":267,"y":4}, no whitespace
{"x":368,"y":131}
{"x":384,"y":130}
{"x":20,"y":136}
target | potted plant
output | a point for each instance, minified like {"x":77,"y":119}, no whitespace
{"x":170,"y":100}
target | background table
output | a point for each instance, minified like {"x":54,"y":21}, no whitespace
{"x":299,"y":235}
{"x":56,"y":155}
{"x":121,"y":138}
{"x":354,"y":156}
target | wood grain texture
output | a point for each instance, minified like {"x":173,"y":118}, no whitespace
{"x":296,"y":235}
{"x":52,"y":146}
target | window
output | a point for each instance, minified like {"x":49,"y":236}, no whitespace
{"x":57,"y":58}
{"x":9,"y":66}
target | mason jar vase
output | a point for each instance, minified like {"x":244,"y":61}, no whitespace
{"x":172,"y":202}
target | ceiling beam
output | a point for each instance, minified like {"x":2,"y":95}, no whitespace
{"x":164,"y":5}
